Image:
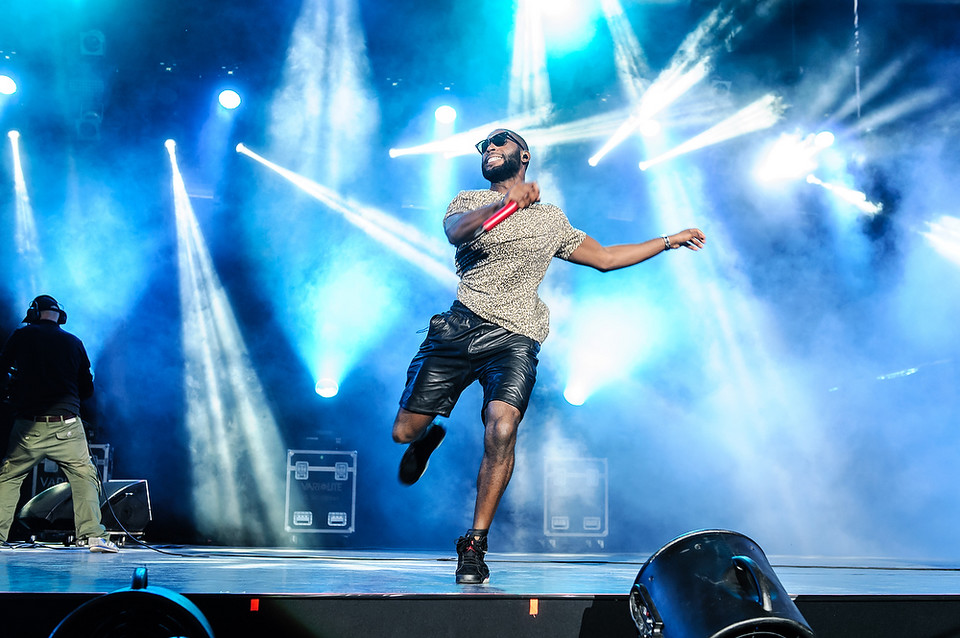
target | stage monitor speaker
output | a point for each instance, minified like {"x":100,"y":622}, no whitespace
{"x":124,"y":505}
{"x":140,"y":610}
{"x":713,"y":584}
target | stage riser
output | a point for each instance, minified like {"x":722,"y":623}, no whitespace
{"x":36,"y":615}
{"x":882,"y":616}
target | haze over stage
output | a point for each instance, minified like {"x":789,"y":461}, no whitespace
{"x":259,"y":283}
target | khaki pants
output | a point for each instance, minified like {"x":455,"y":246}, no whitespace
{"x":65,"y":443}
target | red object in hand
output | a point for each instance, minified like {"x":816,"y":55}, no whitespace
{"x":508,"y":209}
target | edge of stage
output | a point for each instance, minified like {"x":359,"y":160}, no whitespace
{"x":311,"y":593}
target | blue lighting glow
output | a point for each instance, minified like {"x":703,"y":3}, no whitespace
{"x":605,"y":344}
{"x":568,"y":24}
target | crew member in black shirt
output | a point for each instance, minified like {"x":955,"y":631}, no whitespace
{"x":48,"y":374}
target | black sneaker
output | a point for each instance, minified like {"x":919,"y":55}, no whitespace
{"x":471,"y":570}
{"x":417,"y":457}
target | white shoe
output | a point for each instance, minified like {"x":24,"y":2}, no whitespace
{"x":102,"y":545}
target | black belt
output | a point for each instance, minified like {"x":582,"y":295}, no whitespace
{"x":54,"y":419}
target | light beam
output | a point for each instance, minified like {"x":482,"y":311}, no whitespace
{"x":851,"y":196}
{"x":529,"y":81}
{"x":759,"y":115}
{"x":25,"y":233}
{"x":324,"y":113}
{"x":403,"y":239}
{"x":236,"y":450}
{"x":944,"y":236}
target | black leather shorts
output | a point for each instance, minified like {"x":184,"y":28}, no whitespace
{"x":461,"y":348}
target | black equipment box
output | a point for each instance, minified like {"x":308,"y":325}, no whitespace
{"x":575,"y":497}
{"x":47,"y":473}
{"x":321,"y":491}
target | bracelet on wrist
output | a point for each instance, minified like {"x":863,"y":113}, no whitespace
{"x":666,"y":242}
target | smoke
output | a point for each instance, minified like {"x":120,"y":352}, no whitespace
{"x":796,"y":379}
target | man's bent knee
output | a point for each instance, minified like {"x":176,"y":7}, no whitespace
{"x":501,"y":415}
{"x":501,"y":424}
{"x":409,"y":426}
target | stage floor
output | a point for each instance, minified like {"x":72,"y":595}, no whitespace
{"x":32,"y":576}
{"x":53,"y":568}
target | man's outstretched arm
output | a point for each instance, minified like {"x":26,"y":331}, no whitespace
{"x":605,"y":258}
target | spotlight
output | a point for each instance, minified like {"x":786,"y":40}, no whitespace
{"x":327,"y":388}
{"x":445,"y":114}
{"x":170,"y":145}
{"x":88,"y":126}
{"x":7,"y":85}
{"x":824,"y":139}
{"x":721,"y":88}
{"x":574,"y":395}
{"x":92,"y":42}
{"x":14,"y":135}
{"x":790,"y":157}
{"x":229,"y":99}
{"x":139,"y":610}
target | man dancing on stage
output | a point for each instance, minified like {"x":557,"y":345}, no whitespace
{"x":493,"y":330}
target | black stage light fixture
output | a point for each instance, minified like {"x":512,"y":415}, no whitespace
{"x":138,"y":611}
{"x":88,"y":126}
{"x":713,"y":584}
{"x":92,"y":42}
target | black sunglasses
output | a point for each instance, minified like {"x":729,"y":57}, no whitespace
{"x":499,"y":139}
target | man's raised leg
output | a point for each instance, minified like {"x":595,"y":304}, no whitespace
{"x":424,"y":437}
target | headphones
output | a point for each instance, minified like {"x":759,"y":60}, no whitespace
{"x":42,"y":303}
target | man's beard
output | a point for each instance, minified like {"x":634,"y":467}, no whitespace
{"x":503,"y":171}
